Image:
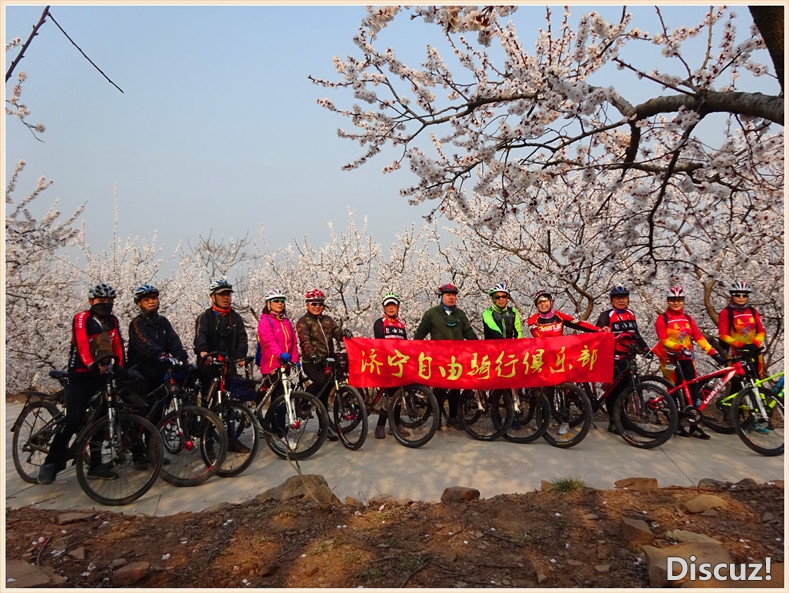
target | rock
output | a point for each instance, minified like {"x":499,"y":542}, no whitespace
{"x":541,"y":577}
{"x":268,"y":569}
{"x":459,"y":494}
{"x":117,"y":563}
{"x":602,"y":567}
{"x":636,"y":532}
{"x":382,"y":499}
{"x":704,"y":502}
{"x":307,"y":486}
{"x":658,"y":565}
{"x":353,"y":503}
{"x":637,"y":483}
{"x":684,"y":537}
{"x":78,"y":553}
{"x":546,"y":485}
{"x":67,"y":518}
{"x":746,"y":483}
{"x":130,"y":574}
{"x":767,"y":517}
{"x":603,"y":552}
{"x":20,"y":574}
{"x":710,"y":484}
{"x":591,"y":516}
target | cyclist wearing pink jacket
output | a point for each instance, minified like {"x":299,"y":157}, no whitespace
{"x":276,"y":334}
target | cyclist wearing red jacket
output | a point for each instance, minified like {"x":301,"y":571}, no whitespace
{"x":676,"y":332}
{"x":548,"y":322}
{"x":739,"y":323}
{"x":388,"y":327}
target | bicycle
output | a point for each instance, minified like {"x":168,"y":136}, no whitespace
{"x":345,"y":402}
{"x":757,"y":413}
{"x":414,"y":408}
{"x":243,"y":429}
{"x":648,"y":417}
{"x":109,"y":436}
{"x":187,"y":430}
{"x":531,"y":415}
{"x":485,"y":415}
{"x":295,"y":423}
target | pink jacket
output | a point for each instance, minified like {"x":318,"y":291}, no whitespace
{"x":276,"y":336}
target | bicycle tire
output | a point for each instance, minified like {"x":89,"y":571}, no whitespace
{"x":491,"y":413}
{"x":305,"y":435}
{"x":532,"y":417}
{"x":765,"y":436}
{"x":568,"y":404}
{"x":242,"y":427}
{"x":133,"y":436}
{"x":716,"y":415}
{"x":350,"y":417}
{"x":33,"y":432}
{"x":414,"y":408}
{"x":195,"y":443}
{"x":645,"y":415}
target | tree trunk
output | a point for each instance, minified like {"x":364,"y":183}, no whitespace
{"x":770,"y":22}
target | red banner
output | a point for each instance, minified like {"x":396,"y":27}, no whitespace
{"x":482,"y":364}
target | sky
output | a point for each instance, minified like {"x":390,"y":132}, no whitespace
{"x":217,"y":129}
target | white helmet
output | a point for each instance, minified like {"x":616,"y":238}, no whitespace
{"x":274,"y":293}
{"x":740,"y":286}
{"x":676,"y":292}
{"x":500,"y":287}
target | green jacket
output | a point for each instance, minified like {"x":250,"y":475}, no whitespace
{"x":501,"y":323}
{"x":443,"y":326}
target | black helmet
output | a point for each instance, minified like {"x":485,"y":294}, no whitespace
{"x":144,"y":291}
{"x":220,"y":285}
{"x":619,"y":291}
{"x":102,"y":291}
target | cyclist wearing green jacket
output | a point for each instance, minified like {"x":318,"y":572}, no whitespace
{"x":501,"y":320}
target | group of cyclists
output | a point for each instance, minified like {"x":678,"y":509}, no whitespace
{"x":316,"y":336}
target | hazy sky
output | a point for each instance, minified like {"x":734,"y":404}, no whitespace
{"x":217,"y":128}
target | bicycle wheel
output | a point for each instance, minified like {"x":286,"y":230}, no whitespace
{"x":485,"y":415}
{"x":716,"y":415}
{"x":646,"y":416}
{"x":33,"y":431}
{"x":531,"y":419}
{"x":130,"y":454}
{"x":350,"y":417}
{"x":195,"y":444}
{"x":570,"y":415}
{"x":414,"y":408}
{"x":765,"y":435}
{"x":301,"y":433}
{"x":243,"y":438}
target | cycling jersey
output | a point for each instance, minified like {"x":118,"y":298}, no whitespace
{"x":85,"y":328}
{"x":501,"y":323}
{"x":624,"y":327}
{"x":738,"y":327}
{"x":388,"y":328}
{"x":542,"y":327}
{"x":677,"y":331}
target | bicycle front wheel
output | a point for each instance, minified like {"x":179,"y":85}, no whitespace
{"x":195,"y":445}
{"x":485,"y":415}
{"x":350,"y":417}
{"x":570,"y":415}
{"x":530,"y":419}
{"x":243,"y":438}
{"x":413,"y":415}
{"x":763,"y":433}
{"x":117,"y":464}
{"x":33,"y":431}
{"x":301,"y":433}
{"x":646,"y":416}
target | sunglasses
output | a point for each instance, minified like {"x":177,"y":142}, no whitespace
{"x":499,"y":297}
{"x":743,"y":295}
{"x":276,"y":300}
{"x":315,"y":304}
{"x":675,"y":299}
{"x":541,"y":301}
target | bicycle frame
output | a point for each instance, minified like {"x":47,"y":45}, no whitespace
{"x":286,"y":379}
{"x":727,"y":374}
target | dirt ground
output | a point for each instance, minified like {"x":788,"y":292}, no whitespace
{"x":545,"y":538}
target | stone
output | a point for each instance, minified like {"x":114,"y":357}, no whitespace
{"x":710,"y":484}
{"x":767,"y":517}
{"x":684,"y":537}
{"x":21,"y":574}
{"x":307,"y":486}
{"x":78,"y":553}
{"x":657,"y":561}
{"x":130,"y":574}
{"x":459,"y":494}
{"x":704,"y":502}
{"x":636,"y":532}
{"x":67,"y":518}
{"x":353,"y":503}
{"x":541,"y":577}
{"x":637,"y":483}
{"x":602,"y":567}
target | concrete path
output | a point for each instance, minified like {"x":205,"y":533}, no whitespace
{"x":451,"y":458}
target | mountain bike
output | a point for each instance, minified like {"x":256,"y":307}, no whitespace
{"x":295,"y":423}
{"x":531,"y":413}
{"x":485,"y":415}
{"x":412,"y":412}
{"x":757,"y":412}
{"x":243,"y":429}
{"x":194,"y":438}
{"x":109,"y":436}
{"x":570,"y":415}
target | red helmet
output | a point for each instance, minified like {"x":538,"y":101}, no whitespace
{"x":315,"y":295}
{"x":447,"y":288}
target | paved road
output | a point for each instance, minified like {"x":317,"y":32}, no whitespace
{"x":451,"y":458}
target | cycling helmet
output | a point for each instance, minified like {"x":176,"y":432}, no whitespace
{"x":447,"y":288}
{"x":220,"y":285}
{"x":619,"y":291}
{"x":542,"y":293}
{"x":315,"y":295}
{"x":144,"y":291}
{"x":390,"y":298}
{"x":102,"y":291}
{"x":500,"y":287}
{"x":275,"y":293}
{"x":740,"y":286}
{"x":676,"y":292}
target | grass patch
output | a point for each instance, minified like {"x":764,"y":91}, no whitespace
{"x":568,"y":485}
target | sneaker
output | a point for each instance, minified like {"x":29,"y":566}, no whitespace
{"x":613,"y":429}
{"x":453,"y":423}
{"x":141,"y":463}
{"x":47,"y":473}
{"x":696,"y":431}
{"x":332,"y":435}
{"x":681,"y":432}
{"x":380,"y":432}
{"x":515,"y":424}
{"x":238,"y":447}
{"x":402,"y":431}
{"x":564,"y":428}
{"x":102,"y":472}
